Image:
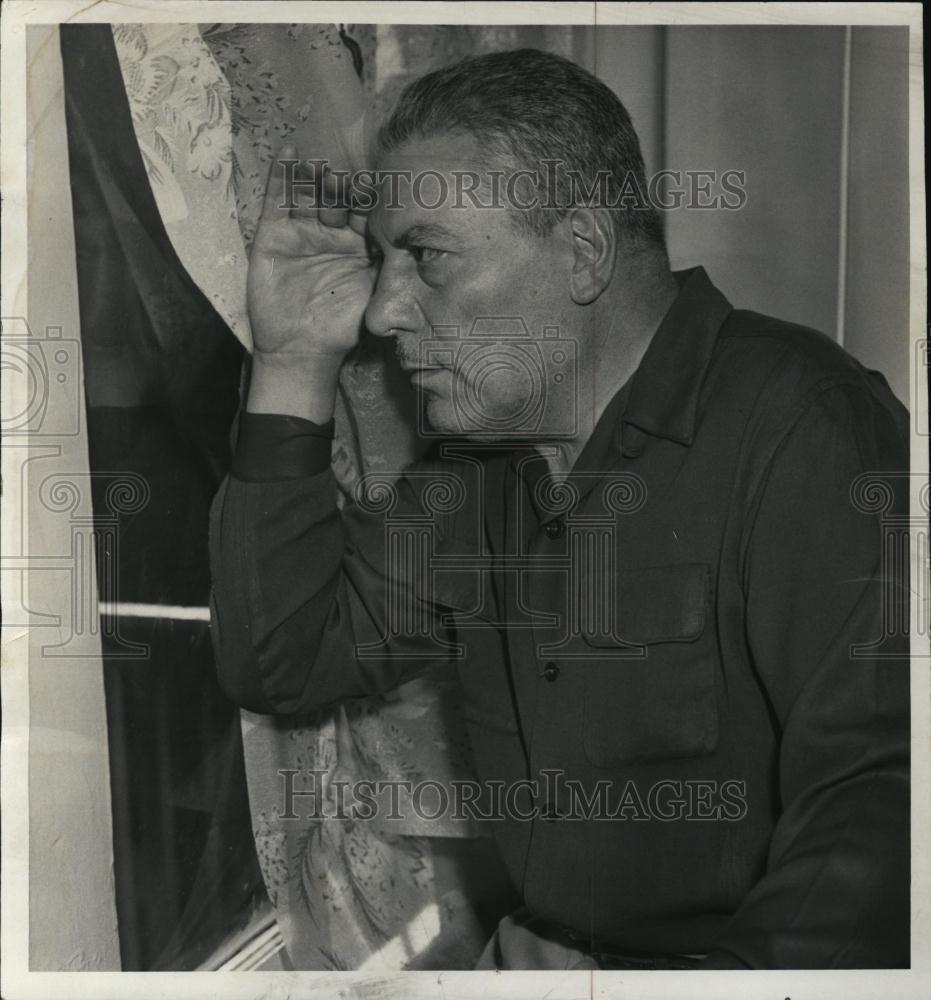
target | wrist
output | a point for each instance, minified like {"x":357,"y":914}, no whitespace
{"x":295,"y":386}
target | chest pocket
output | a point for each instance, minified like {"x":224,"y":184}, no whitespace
{"x":659,"y":704}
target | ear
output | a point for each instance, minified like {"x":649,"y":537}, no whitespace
{"x":594,"y":244}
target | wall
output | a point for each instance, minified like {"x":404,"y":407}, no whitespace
{"x":877,"y":287}
{"x":72,"y":923}
{"x":816,"y":117}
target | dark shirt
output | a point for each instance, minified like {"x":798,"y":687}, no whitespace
{"x":697,"y":633}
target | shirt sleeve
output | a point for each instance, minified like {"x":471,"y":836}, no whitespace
{"x":273,"y":447}
{"x":303,"y":593}
{"x":824,"y":591}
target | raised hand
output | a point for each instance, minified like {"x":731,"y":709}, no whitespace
{"x":310,"y":279}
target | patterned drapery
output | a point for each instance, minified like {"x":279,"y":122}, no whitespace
{"x":210,"y":105}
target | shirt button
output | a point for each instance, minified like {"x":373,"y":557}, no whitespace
{"x":555,"y":529}
{"x":550,"y":671}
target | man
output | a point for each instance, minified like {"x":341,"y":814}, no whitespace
{"x":641,"y":552}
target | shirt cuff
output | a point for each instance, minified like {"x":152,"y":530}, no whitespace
{"x":272,"y":447}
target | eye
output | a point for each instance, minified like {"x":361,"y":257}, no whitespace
{"x":425,"y":255}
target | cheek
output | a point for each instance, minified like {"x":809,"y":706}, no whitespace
{"x":514,"y":281}
{"x":495,"y":386}
{"x":529,"y":284}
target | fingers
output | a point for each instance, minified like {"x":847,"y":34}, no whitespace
{"x":335,"y":217}
{"x":332,"y":239}
{"x":323,"y":195}
{"x":334,"y":205}
{"x":274,"y":187}
{"x":305,"y":193}
{"x":357,"y":222}
{"x":313,"y":193}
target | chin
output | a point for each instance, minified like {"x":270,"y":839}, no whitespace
{"x":443,"y":418}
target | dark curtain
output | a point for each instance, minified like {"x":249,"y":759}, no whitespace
{"x":162,"y":373}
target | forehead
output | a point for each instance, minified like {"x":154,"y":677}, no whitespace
{"x":425,"y":181}
{"x":445,"y":151}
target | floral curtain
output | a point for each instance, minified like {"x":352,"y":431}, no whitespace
{"x":210,"y":106}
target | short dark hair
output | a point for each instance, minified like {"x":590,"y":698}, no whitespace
{"x":528,"y":106}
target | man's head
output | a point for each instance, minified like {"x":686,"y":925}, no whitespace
{"x":557,"y":166}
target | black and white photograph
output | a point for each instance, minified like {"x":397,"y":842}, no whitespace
{"x":465,"y":500}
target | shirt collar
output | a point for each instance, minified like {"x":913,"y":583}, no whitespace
{"x":661,"y":397}
{"x":595,"y":458}
{"x":664,"y":390}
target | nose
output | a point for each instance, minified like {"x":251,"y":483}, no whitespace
{"x":391,"y":309}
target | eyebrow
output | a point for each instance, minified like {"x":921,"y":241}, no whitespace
{"x":422,"y":232}
{"x":417,"y":234}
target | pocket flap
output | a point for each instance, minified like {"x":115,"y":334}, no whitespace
{"x":659,"y":604}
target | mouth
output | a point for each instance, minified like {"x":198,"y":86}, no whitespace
{"x":412,"y":367}
{"x":412,"y":360}
{"x":412,"y":364}
{"x":424,"y":376}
